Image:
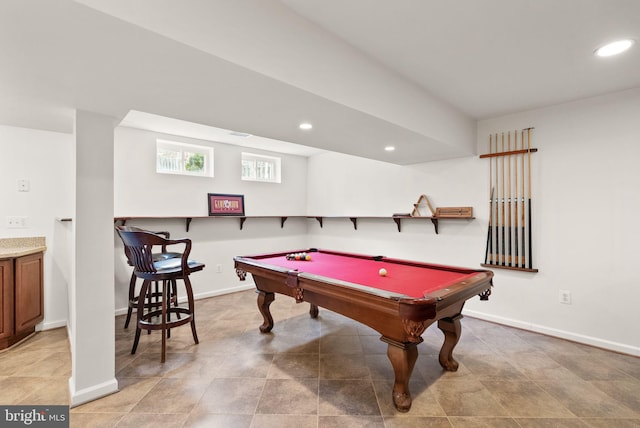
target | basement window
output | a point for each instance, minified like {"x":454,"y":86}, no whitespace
{"x":260,"y":168}
{"x":183,"y":159}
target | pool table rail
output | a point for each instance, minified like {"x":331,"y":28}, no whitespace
{"x":398,"y":317}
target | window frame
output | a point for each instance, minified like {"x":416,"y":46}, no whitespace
{"x":275,"y":161}
{"x":181,"y":149}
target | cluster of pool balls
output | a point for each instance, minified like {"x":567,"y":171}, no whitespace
{"x":299,"y":256}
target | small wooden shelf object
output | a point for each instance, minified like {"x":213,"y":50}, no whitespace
{"x":419,"y":207}
{"x":454,"y":212}
{"x":420,"y":211}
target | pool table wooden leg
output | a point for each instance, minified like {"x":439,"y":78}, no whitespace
{"x":313,"y":311}
{"x":264,"y":300}
{"x":451,"y":329}
{"x":403,"y":358}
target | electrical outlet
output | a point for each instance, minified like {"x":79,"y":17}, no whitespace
{"x":14,"y":222}
{"x":219,"y":268}
{"x":24,"y":186}
{"x":565,"y":297}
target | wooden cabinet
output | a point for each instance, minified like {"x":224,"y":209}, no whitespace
{"x":21,"y":297}
{"x":6,"y":300}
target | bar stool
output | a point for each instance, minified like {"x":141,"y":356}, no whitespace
{"x":168,"y":271}
{"x":153,"y":297}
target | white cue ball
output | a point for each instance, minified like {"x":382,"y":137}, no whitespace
{"x":382,"y":272}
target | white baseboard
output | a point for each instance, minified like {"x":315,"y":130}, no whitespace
{"x":50,"y":325}
{"x":247,"y":286}
{"x":91,"y":393}
{"x":562,"y":334}
{"x":243,"y":287}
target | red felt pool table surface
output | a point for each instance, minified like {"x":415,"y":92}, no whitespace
{"x":410,"y":279}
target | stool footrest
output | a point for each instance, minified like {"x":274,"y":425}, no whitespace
{"x":146,"y":322}
{"x":155,"y":302}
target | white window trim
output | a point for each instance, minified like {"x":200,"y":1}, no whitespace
{"x":175,"y":146}
{"x":252,"y":157}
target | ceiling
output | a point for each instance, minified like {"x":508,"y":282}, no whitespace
{"x":491,"y":57}
{"x":416,"y":74}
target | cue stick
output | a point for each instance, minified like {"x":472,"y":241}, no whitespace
{"x":497,"y":217}
{"x":490,"y":232}
{"x":509,"y":197}
{"x":502,"y":206}
{"x":515,"y":186}
{"x":524,"y":256}
{"x":529,"y":193}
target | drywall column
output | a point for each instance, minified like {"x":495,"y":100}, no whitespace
{"x":91,"y":296}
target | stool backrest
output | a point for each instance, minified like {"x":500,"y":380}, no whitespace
{"x":138,"y":247}
{"x":137,"y":229}
{"x":139,"y":244}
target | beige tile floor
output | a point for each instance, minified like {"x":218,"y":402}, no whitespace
{"x":330,"y":372}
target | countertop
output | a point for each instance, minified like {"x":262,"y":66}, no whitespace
{"x":18,"y":247}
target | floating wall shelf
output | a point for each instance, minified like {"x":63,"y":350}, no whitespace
{"x":320,"y":219}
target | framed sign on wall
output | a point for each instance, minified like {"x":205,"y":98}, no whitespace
{"x":224,"y":204}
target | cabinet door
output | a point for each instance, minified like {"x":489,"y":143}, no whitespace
{"x":29,"y":309}
{"x":6,"y":298}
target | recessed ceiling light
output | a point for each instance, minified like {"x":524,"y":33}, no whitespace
{"x":389,"y":148}
{"x":614,"y":48}
{"x":306,"y":126}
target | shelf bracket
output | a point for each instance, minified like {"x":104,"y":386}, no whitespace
{"x":398,"y":223}
{"x":242,"y":220}
{"x":434,"y":220}
{"x":319,"y":221}
{"x":354,"y":220}
{"x":188,"y":222}
{"x":282,"y":220}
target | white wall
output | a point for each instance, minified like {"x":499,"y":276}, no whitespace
{"x":585,"y":200}
{"x":140,"y":191}
{"x":345,"y":185}
{"x":46,"y":160}
{"x":586,"y":231}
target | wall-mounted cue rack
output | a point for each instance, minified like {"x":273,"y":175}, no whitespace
{"x":509,"y":235}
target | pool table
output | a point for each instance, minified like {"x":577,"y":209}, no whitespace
{"x":400,"y":304}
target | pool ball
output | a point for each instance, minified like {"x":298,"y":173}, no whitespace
{"x":382,"y":272}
